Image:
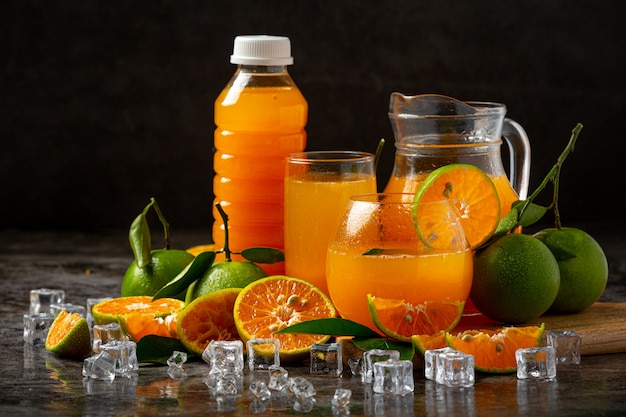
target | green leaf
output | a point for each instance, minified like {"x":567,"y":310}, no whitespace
{"x":374,"y":251}
{"x":406,"y":349}
{"x":187,"y":276}
{"x":139,"y":237}
{"x":330,"y":327}
{"x":158,"y":349}
{"x":263,"y":255}
{"x":532,"y":214}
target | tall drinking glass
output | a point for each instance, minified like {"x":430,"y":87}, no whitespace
{"x":317,"y":186}
{"x":392,"y":248}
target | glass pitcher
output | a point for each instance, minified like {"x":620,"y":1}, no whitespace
{"x":434,"y":130}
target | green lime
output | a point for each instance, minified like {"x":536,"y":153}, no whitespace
{"x":516,"y":279}
{"x":222,"y":275}
{"x":583,"y":265}
{"x":164,"y":266}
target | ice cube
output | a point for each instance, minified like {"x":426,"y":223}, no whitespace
{"x":454,"y":369}
{"x":226,"y":356}
{"x":355,"y":365}
{"x":55,"y":309}
{"x":341,"y":398}
{"x":372,"y":356}
{"x":125,"y":354}
{"x":89,"y":309}
{"x":279,"y":378}
{"x":259,"y":389}
{"x":263,"y":353}
{"x":393,"y":377}
{"x":105,"y":333}
{"x":301,"y":387}
{"x":304,"y":405}
{"x":566,"y":344}
{"x":326,"y":359}
{"x":177,"y":359}
{"x":100,"y":366}
{"x":430,"y":362}
{"x":42,"y":298}
{"x":36,"y":328}
{"x":539,"y":363}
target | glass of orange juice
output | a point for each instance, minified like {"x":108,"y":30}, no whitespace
{"x":317,"y":186}
{"x":387,"y":246}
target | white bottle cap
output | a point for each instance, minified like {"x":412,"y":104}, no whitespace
{"x":262,"y":50}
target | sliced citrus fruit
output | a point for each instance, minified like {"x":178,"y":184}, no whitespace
{"x":494,"y":350}
{"x":208,"y":317}
{"x":471,"y":191}
{"x":69,"y":336}
{"x":273,"y":303}
{"x":401,"y":320}
{"x":424,"y":342}
{"x":139,"y":316}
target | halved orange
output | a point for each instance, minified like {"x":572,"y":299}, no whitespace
{"x":467,"y":188}
{"x":139,"y":316}
{"x":400,"y":320}
{"x":69,"y":336}
{"x":494,"y":350}
{"x":273,"y":303}
{"x":208,"y":317}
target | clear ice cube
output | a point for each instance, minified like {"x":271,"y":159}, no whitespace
{"x":177,"y":359}
{"x":538,"y":363}
{"x":372,"y":356}
{"x":125,"y":354}
{"x":301,"y":387}
{"x":393,"y":377}
{"x":341,"y":398}
{"x":355,"y":365}
{"x":430,"y":362}
{"x":326,"y":359}
{"x":36,"y":327}
{"x":259,"y":389}
{"x":566,"y":344}
{"x":304,"y":405}
{"x":454,"y":369}
{"x":279,"y":378}
{"x":225,"y":356}
{"x":42,"y":298}
{"x":105,"y":333}
{"x":55,"y":309}
{"x":89,"y":309}
{"x":100,"y":366}
{"x":263,"y":353}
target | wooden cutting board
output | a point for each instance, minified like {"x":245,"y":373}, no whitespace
{"x":602,"y":326}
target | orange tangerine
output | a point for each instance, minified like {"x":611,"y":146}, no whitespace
{"x":270,"y":304}
{"x":401,"y":320}
{"x":470,"y":190}
{"x":139,"y":316}
{"x":69,"y":335}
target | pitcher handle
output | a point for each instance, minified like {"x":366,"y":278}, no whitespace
{"x":519,"y":151}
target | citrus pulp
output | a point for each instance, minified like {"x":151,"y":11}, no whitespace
{"x":401,"y":320}
{"x":583,"y":267}
{"x":516,"y":279}
{"x":208,"y":317}
{"x":69,"y":336}
{"x":273,"y":303}
{"x":139,"y":316}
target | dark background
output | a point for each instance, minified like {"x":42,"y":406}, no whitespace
{"x":105,"y":104}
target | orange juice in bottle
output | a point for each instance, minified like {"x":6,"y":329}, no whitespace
{"x":260,"y":117}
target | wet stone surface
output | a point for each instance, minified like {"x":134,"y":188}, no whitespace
{"x":36,"y":382}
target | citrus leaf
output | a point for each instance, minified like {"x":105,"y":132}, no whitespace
{"x":158,"y":349}
{"x":178,"y":285}
{"x":406,"y":349}
{"x":331,"y":327}
{"x":139,"y":237}
{"x":263,"y":255}
{"x":532,"y":214}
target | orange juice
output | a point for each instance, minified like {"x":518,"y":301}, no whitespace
{"x":399,"y":274}
{"x":312,"y":205}
{"x":410,"y":185}
{"x":257,"y":127}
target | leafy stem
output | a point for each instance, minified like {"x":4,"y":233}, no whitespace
{"x":139,"y":234}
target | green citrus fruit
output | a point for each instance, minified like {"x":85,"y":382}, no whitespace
{"x":69,"y":336}
{"x":516,"y":279}
{"x":583,"y":266}
{"x":164,"y":266}
{"x":228,"y":274}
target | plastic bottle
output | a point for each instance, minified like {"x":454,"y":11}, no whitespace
{"x":260,"y":117}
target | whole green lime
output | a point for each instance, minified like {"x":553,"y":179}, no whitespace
{"x":583,"y":265}
{"x":516,"y":279}
{"x":222,"y":275}
{"x":164,"y":266}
